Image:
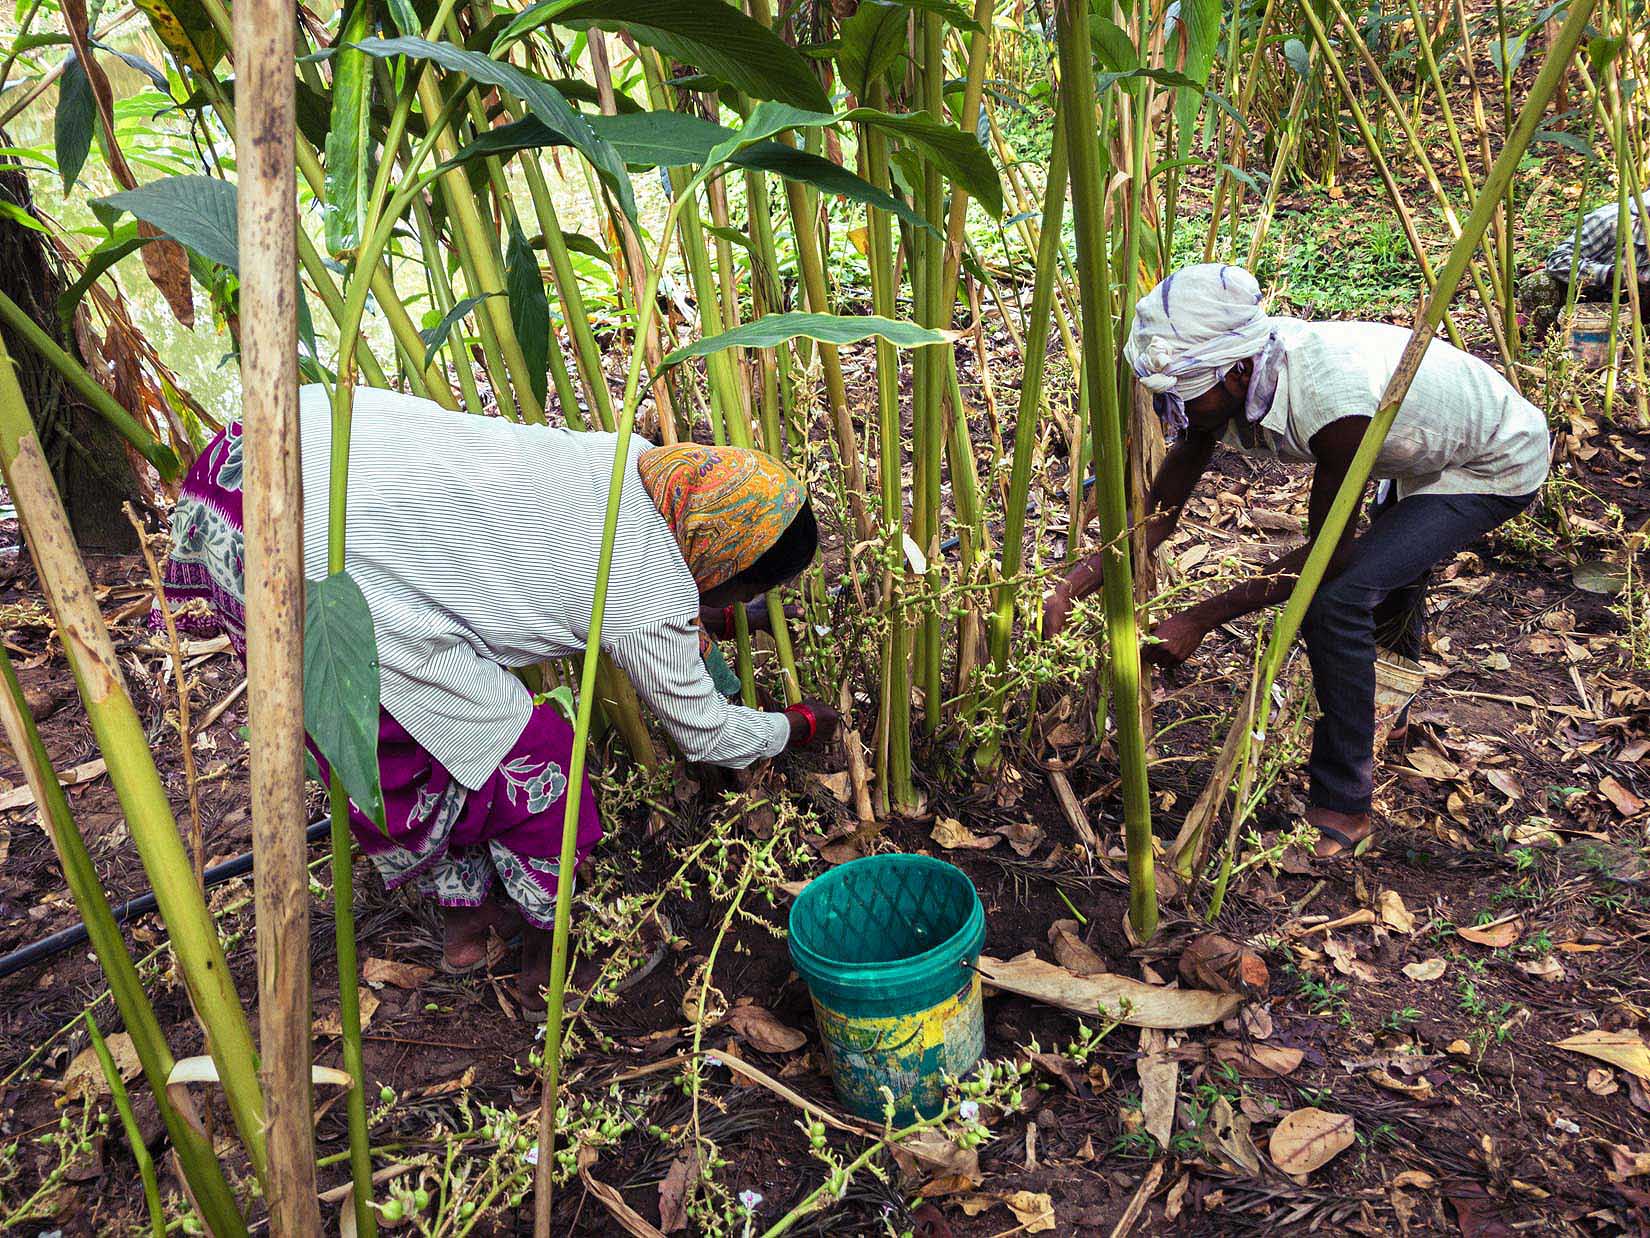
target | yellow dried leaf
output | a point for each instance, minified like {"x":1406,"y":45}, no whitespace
{"x":953,"y":834}
{"x":1625,"y":1050}
{"x":1431,"y":969}
{"x":1393,"y":912}
{"x":1497,"y":935}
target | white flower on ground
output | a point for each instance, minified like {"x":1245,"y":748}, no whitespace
{"x":969,"y":1110}
{"x":750,"y":1199}
{"x":531,"y":1156}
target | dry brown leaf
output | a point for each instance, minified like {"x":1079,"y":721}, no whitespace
{"x":1159,"y":1082}
{"x":631,"y":1221}
{"x":1226,"y":1134}
{"x":1429,"y":970}
{"x":84,"y":1078}
{"x":1023,"y":837}
{"x":1547,"y":968}
{"x":330,"y":1023}
{"x":1214,"y":961}
{"x":1625,"y":1164}
{"x":1420,"y":1088}
{"x":1601,"y":1081}
{"x":675,"y":1189}
{"x":1257,"y":1061}
{"x":1310,"y":1138}
{"x":837,"y":784}
{"x":1498,"y":934}
{"x":400,"y":975}
{"x":953,"y":834}
{"x":1503,"y":781}
{"x":1393,"y":913}
{"x":1429,"y":764}
{"x":1626,"y":803}
{"x":758,"y":1028}
{"x":1625,"y":1050}
{"x":1420,"y":1179}
{"x":928,"y":1160}
{"x":1071,"y":952}
{"x":1128,"y":1001}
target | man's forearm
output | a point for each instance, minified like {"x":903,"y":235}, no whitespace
{"x":1268,"y":589}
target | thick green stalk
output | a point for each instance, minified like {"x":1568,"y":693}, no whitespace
{"x":1252,"y":714}
{"x":200,"y":1164}
{"x":121,"y":737}
{"x":1100,"y":363}
{"x":543,"y":1178}
{"x":928,"y":390}
{"x":441,"y":289}
{"x":1025,"y":425}
{"x":128,"y":1123}
{"x":89,"y":389}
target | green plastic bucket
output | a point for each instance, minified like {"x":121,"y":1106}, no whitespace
{"x":887,"y":945}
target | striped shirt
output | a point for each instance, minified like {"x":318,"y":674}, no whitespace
{"x":475,"y":541}
{"x":1595,"y":255}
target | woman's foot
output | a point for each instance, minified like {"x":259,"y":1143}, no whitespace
{"x":535,"y":973}
{"x":464,"y":934}
{"x":1339,"y":833}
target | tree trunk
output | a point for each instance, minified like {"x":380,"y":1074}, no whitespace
{"x":90,"y":462}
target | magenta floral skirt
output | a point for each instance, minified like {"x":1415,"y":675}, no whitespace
{"x":454,"y":842}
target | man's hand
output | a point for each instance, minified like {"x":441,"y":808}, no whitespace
{"x":823,"y":728}
{"x":1056,"y":609}
{"x":1178,"y":637}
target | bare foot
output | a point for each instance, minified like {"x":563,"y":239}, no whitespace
{"x":464,"y":935}
{"x":535,"y":973}
{"x":1339,"y":833}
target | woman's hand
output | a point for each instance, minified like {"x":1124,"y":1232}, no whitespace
{"x":813,"y":724}
{"x":718,"y":621}
{"x":1177,"y":639}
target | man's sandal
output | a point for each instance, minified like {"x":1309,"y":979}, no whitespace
{"x":1347,"y":846}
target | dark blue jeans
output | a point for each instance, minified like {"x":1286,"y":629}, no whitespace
{"x":1381,"y":597}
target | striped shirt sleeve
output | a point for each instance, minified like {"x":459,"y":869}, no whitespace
{"x":663,"y":663}
{"x":1595,"y":254}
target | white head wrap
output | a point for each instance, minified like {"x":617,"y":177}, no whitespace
{"x":1193,"y":327}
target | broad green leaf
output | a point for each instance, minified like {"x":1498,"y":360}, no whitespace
{"x":1300,"y":60}
{"x":437,"y":335}
{"x":1570,"y":141}
{"x":1198,"y":32}
{"x":1507,"y":57}
{"x":123,"y":242}
{"x":139,"y":63}
{"x":72,"y":122}
{"x":1112,"y":45}
{"x":774,"y":329}
{"x":822,"y":174}
{"x":954,"y":14}
{"x":579,"y":243}
{"x":872,"y":39}
{"x":341,"y":687}
{"x":186,"y":30}
{"x":529,"y":309}
{"x":1601,"y":50}
{"x":711,"y":35}
{"x":543,"y":99}
{"x":957,"y":154}
{"x":349,"y":164}
{"x":196,"y":211}
{"x":679,"y":140}
{"x":405,"y":17}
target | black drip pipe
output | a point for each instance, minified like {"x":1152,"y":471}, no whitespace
{"x":67,"y":939}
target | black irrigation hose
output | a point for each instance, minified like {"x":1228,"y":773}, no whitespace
{"x":66,"y":939}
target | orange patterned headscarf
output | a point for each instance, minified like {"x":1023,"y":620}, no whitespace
{"x":726,"y":506}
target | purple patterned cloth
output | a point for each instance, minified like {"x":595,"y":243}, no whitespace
{"x":453,"y":841}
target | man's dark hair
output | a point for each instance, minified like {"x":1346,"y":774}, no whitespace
{"x":788,"y":556}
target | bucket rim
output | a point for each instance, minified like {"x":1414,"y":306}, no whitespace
{"x":973,"y":923}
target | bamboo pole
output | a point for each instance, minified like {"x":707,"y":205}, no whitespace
{"x":120,"y":734}
{"x":267,"y":215}
{"x":1252,"y":714}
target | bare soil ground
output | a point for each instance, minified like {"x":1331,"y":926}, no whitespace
{"x":1520,"y":794}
